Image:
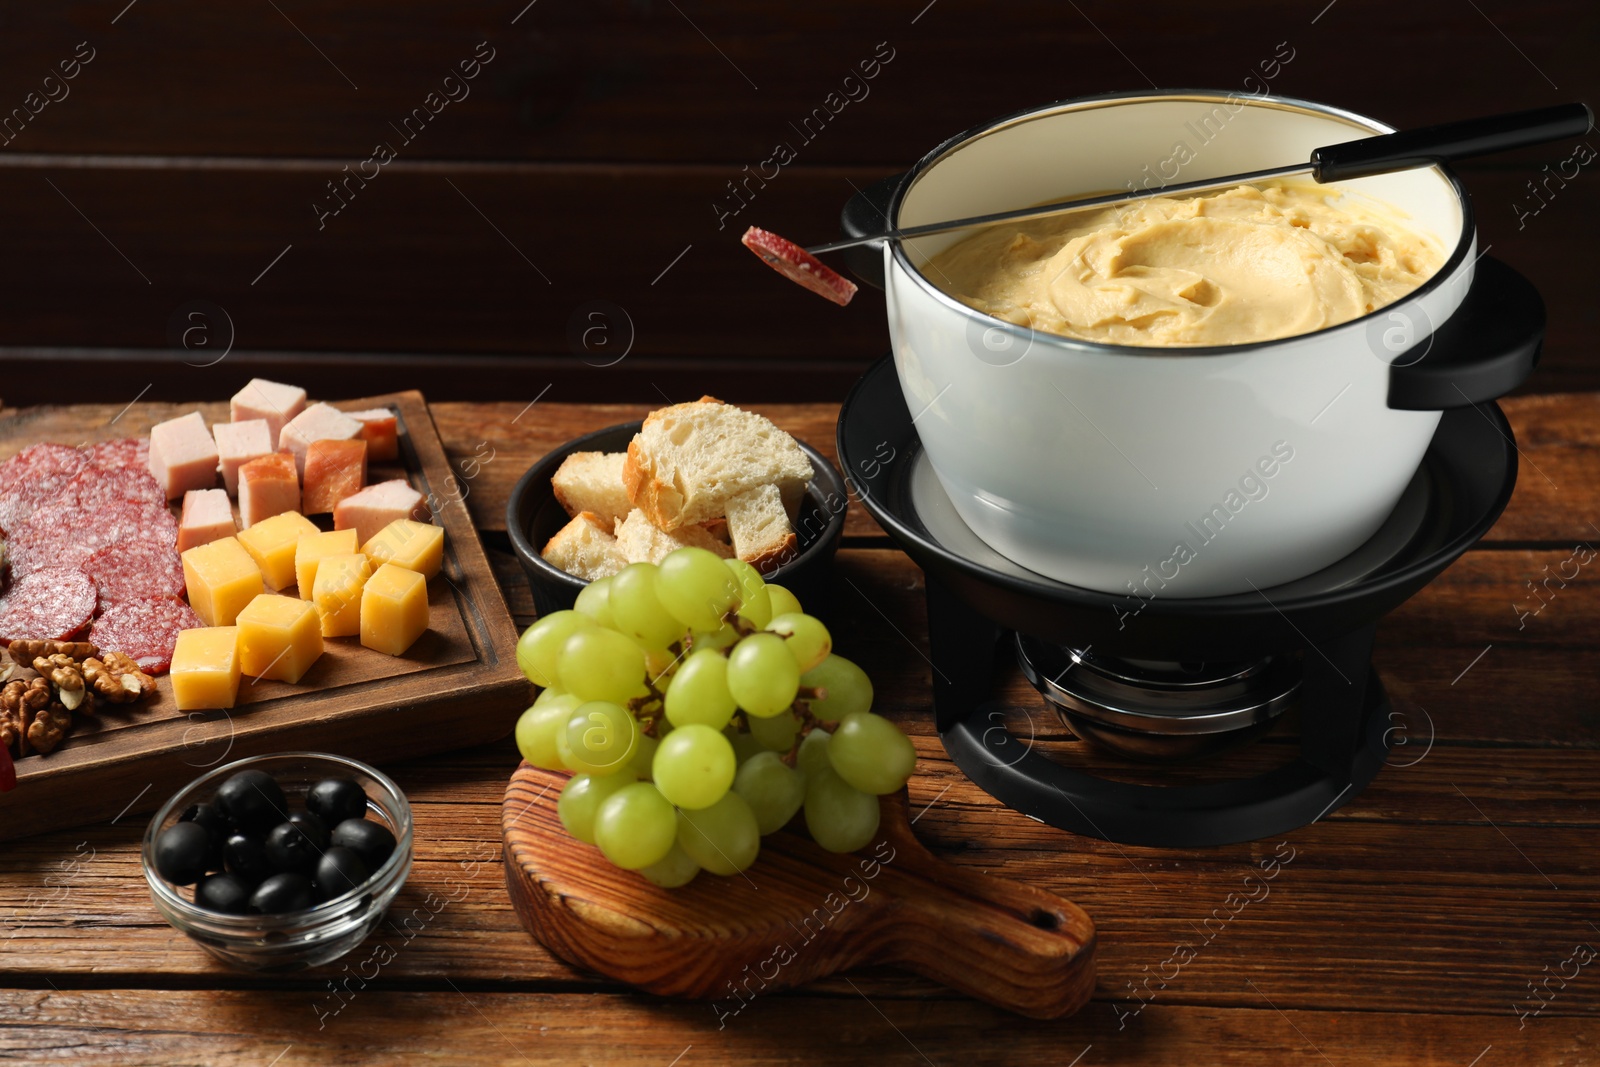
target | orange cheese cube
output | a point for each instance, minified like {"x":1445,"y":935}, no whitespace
{"x":416,"y":546}
{"x":271,"y":543}
{"x":337,"y":593}
{"x":380,"y":429}
{"x":394,"y":609}
{"x":268,"y":486}
{"x":220,"y":578}
{"x":280,"y":637}
{"x":205,"y":668}
{"x":334,"y":470}
{"x":313,"y":549}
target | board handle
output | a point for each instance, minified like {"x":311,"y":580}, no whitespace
{"x":1012,"y":945}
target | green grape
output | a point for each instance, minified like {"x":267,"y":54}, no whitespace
{"x":675,"y":870}
{"x":812,"y":759}
{"x":539,"y":725}
{"x":643,"y":754}
{"x":840,"y":817}
{"x":849,"y":688}
{"x":539,"y":647}
{"x":601,"y":664}
{"x":699,"y":691}
{"x":719,"y":639}
{"x":762,"y":675}
{"x":601,"y":738}
{"x":744,"y":745}
{"x":777,"y":733}
{"x":722,"y":838}
{"x":594,"y":600}
{"x":773,"y":789}
{"x":638,"y":611}
{"x":871,"y":754}
{"x":635,"y":826}
{"x":563,"y":753}
{"x":808,"y":640}
{"x":783,"y":602}
{"x":581,"y":797}
{"x":696,"y":588}
{"x":755,"y":606}
{"x":694,"y":766}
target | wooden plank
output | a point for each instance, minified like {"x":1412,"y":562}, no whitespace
{"x":458,"y":685}
{"x":381,"y":1026}
{"x":428,"y":247}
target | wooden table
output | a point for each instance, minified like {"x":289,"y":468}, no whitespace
{"x":1442,"y":917}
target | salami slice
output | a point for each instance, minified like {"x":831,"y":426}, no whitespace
{"x":129,"y":570}
{"x":145,"y":629}
{"x":126,"y":453}
{"x":52,"y":604}
{"x":67,"y":532}
{"x":99,"y":485}
{"x":33,"y":477}
{"x":799,"y":266}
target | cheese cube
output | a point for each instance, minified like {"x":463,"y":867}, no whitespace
{"x":312,"y":549}
{"x":271,"y":543}
{"x":334,"y":470}
{"x":205,"y":668}
{"x":280,"y":637}
{"x":376,"y":506}
{"x":380,"y":429}
{"x":237,"y":444}
{"x":182,"y":455}
{"x":416,"y":546}
{"x":207,"y":516}
{"x":319,"y":422}
{"x":337,"y":593}
{"x":273,"y":402}
{"x":394,"y":609}
{"x":220,"y":578}
{"x":268,"y":486}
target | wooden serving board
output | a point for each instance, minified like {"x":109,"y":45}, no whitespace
{"x":798,"y":914}
{"x":457,"y":686}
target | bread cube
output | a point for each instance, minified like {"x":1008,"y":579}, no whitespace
{"x":585,"y":547}
{"x":592,"y":482}
{"x":280,"y":637}
{"x":272,"y":402}
{"x":183,"y":455}
{"x":334,"y":470}
{"x":640,"y":541}
{"x":268,"y":486}
{"x":759,"y":527}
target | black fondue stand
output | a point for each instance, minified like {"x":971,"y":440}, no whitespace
{"x":977,"y":606}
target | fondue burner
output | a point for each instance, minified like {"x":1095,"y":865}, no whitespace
{"x":1169,"y":679}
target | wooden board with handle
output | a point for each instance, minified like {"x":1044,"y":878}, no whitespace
{"x":798,"y":914}
{"x":457,"y":686}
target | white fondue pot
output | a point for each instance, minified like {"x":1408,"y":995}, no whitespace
{"x":1178,"y":472}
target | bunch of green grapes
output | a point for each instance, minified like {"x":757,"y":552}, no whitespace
{"x":700,"y":709}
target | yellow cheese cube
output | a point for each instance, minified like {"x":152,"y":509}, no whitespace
{"x":313,"y":549}
{"x":337,"y":593}
{"x":279,"y":637}
{"x":271,"y":542}
{"x":205,"y":668}
{"x":416,"y":546}
{"x":221,"y":579}
{"x":394,"y":609}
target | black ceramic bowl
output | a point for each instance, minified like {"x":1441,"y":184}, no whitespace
{"x":533,"y":516}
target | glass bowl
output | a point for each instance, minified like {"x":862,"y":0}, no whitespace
{"x":299,"y":939}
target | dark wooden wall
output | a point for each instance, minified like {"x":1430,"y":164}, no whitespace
{"x":150,"y":204}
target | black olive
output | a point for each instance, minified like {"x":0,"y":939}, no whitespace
{"x":216,"y":824}
{"x":180,"y":853}
{"x":252,"y":801}
{"x":223,"y":892}
{"x":246,"y":858}
{"x":369,"y":840}
{"x":339,"y":871}
{"x":314,"y":829}
{"x":337,"y":799}
{"x":282,"y":892}
{"x":291,"y":851}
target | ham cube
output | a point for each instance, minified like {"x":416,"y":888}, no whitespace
{"x":267,"y":486}
{"x":273,"y":402}
{"x":376,"y":506}
{"x":182,"y":455}
{"x":334,"y":470}
{"x":319,"y":422}
{"x":207,"y":517}
{"x":380,"y":429}
{"x":237,"y":444}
